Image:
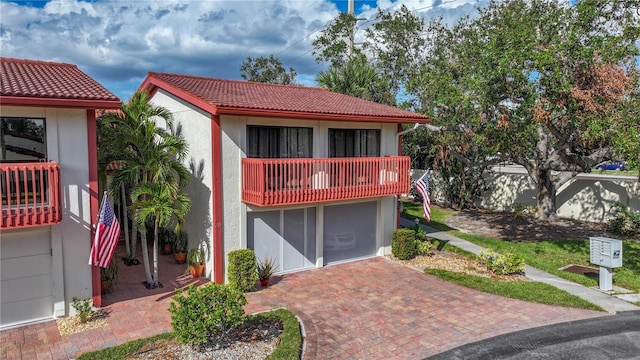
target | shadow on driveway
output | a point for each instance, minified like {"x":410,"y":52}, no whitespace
{"x":611,"y":337}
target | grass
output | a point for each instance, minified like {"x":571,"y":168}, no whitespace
{"x":290,"y":346}
{"x":528,"y":291}
{"x":126,"y":349}
{"x":548,"y":256}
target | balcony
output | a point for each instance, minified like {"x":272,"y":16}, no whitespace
{"x":30,"y":194}
{"x":273,"y":182}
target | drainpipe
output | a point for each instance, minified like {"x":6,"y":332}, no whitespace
{"x":399,"y":141}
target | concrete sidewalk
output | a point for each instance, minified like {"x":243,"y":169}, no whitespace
{"x":607,"y":302}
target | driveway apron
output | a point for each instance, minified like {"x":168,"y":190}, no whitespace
{"x":379,"y":309}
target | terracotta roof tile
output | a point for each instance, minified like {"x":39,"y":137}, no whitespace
{"x":259,"y":96}
{"x":43,"y":79}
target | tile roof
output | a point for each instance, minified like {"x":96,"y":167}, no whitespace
{"x":43,"y":79}
{"x":233,"y":94}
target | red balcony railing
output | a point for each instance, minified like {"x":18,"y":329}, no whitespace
{"x":30,"y":194}
{"x":271,"y":182}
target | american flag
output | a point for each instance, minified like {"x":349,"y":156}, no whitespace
{"x":106,"y":239}
{"x":422,"y":185}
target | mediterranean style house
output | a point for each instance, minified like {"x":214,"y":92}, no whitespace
{"x":49,"y":187}
{"x":303,"y":175}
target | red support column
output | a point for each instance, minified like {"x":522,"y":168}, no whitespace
{"x":92,"y":139}
{"x":399,"y":177}
{"x":216,"y":178}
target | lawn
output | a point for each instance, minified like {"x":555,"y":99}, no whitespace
{"x":548,"y":256}
{"x":289,"y":347}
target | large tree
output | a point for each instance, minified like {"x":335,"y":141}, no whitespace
{"x":544,"y":83}
{"x":139,"y":138}
{"x":267,"y":70}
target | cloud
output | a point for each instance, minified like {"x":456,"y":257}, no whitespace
{"x":118,"y":42}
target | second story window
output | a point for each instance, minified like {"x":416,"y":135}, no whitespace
{"x":354,"y":142}
{"x":22,"y":139}
{"x":277,"y":142}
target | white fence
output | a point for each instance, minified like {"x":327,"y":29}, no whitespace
{"x":587,"y":197}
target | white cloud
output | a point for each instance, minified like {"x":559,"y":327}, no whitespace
{"x":118,"y":42}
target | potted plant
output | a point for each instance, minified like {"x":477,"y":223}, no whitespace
{"x":168,"y":237}
{"x":266,"y":269}
{"x":180,"y":247}
{"x":195,"y":258}
{"x":108,"y":277}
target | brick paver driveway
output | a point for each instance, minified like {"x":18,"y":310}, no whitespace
{"x":378,"y":309}
{"x":368,"y":309}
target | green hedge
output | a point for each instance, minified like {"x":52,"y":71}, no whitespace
{"x":242,"y":271}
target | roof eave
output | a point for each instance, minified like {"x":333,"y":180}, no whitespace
{"x":59,"y":103}
{"x":151,"y":85}
{"x":319,"y":116}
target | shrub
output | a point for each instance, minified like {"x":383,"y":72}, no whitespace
{"x":623,"y":221}
{"x":403,"y":244}
{"x":504,"y":264}
{"x":420,"y":233}
{"x":207,"y":311}
{"x":243,"y":269}
{"x":423,"y":247}
{"x":83,"y":308}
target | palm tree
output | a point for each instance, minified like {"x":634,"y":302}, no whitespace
{"x":146,"y":153}
{"x":357,"y":78}
{"x":159,"y":203}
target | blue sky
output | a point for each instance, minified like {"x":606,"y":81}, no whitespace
{"x":119,"y":42}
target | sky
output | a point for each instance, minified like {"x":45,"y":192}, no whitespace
{"x":119,"y":42}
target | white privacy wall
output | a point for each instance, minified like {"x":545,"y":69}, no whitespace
{"x":196,"y":130}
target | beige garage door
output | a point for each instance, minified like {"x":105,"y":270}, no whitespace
{"x":25,"y":277}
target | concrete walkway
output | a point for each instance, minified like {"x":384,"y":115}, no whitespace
{"x":607,"y":302}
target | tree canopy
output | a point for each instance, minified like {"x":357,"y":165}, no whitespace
{"x":267,"y":70}
{"x":546,"y":84}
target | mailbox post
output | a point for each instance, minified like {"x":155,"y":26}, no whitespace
{"x":607,"y":253}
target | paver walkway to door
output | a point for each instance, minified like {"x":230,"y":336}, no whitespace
{"x":379,"y":309}
{"x":367,"y":309}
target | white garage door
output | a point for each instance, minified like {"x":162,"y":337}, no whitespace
{"x":349,"y":231}
{"x":25,"y":277}
{"x":287,"y":236}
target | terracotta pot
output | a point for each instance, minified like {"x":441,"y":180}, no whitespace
{"x":180,"y":258}
{"x":196,"y":270}
{"x":166,"y":250}
{"x":264,"y":282}
{"x":105,"y":286}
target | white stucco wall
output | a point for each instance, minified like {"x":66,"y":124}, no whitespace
{"x":587,"y":197}
{"x":196,"y":129}
{"x":66,"y":137}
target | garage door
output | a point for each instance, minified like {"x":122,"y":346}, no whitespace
{"x":349,"y":231}
{"x":287,"y":236}
{"x":25,"y":278}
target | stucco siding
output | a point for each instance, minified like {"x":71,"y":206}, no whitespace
{"x":196,"y":130}
{"x":69,"y":242}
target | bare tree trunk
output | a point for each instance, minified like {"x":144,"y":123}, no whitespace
{"x":546,"y":189}
{"x":546,"y":198}
{"x":125,"y":219}
{"x":155,"y":254}
{"x":145,"y":255}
